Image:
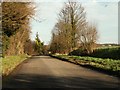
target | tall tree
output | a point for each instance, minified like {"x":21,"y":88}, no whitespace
{"x":71,"y":20}
{"x":77,"y":19}
{"x":15,"y":26}
{"x":72,"y":29}
{"x":14,"y":15}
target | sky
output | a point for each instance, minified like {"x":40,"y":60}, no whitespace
{"x":103,"y":13}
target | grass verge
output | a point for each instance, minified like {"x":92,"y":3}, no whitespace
{"x":107,"y":65}
{"x":10,"y":62}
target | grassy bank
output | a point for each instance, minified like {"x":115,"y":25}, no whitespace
{"x":108,"y":65}
{"x":10,"y":62}
{"x":0,"y":66}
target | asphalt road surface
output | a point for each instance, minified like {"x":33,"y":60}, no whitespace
{"x":47,"y":72}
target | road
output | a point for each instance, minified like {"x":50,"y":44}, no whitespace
{"x":48,"y":72}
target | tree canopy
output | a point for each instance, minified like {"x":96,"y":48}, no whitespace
{"x":15,"y":26}
{"x":71,"y":28}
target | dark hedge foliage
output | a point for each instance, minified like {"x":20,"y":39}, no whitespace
{"x":112,"y":53}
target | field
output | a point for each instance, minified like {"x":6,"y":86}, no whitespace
{"x":109,"y":65}
{"x":10,"y":62}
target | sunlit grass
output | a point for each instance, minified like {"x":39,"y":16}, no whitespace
{"x":10,"y":62}
{"x":105,"y":64}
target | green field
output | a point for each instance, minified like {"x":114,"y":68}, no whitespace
{"x":10,"y":62}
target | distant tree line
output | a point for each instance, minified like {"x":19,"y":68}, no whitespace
{"x":72,"y":30}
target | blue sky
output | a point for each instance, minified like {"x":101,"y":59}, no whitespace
{"x":103,"y":13}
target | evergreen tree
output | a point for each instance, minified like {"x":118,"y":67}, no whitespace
{"x":39,"y":45}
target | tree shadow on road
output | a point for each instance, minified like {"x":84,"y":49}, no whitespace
{"x":31,"y":82}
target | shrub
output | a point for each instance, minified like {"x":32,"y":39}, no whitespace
{"x":79,"y":52}
{"x":112,"y":53}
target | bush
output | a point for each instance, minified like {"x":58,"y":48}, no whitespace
{"x":112,"y":53}
{"x":79,"y":52}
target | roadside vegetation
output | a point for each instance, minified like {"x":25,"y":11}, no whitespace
{"x":110,"y":52}
{"x":15,"y":33}
{"x":105,"y":59}
{"x":74,"y":39}
{"x":104,"y":52}
{"x":0,"y":66}
{"x":15,"y":38}
{"x":10,"y":62}
{"x":109,"y":65}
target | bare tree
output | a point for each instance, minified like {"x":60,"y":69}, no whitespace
{"x":88,"y":38}
{"x":72,"y":29}
{"x":71,"y":19}
{"x":77,"y":20}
